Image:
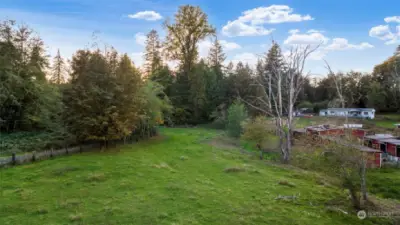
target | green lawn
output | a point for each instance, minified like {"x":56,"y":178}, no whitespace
{"x":385,"y":183}
{"x":178,"y":178}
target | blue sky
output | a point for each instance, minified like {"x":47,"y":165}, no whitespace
{"x":352,"y":34}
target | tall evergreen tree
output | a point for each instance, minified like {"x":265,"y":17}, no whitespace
{"x":152,"y":57}
{"x":25,"y":96}
{"x":57,"y":75}
{"x":216,"y":56}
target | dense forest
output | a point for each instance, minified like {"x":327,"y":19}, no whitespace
{"x":99,"y":94}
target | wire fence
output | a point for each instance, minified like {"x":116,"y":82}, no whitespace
{"x":14,"y":159}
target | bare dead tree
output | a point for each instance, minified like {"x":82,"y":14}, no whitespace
{"x":338,"y":80}
{"x":286,"y":83}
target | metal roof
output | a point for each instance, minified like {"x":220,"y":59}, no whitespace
{"x":323,"y":127}
{"x":392,"y":141}
{"x":380,"y":136}
{"x":352,"y":109}
{"x":361,"y":148}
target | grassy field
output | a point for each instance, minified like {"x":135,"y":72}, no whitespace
{"x":385,"y":183}
{"x":183,"y":177}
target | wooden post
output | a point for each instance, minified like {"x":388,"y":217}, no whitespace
{"x":13,"y":158}
{"x":33,"y":156}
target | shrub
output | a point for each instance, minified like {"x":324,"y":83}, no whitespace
{"x":236,"y":115}
{"x":305,"y":104}
{"x":260,"y":132}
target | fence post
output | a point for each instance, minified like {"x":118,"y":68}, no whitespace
{"x":13,"y":158}
{"x":66,"y":150}
{"x":33,"y":156}
{"x":51,"y":152}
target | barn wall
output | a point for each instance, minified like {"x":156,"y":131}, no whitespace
{"x":376,"y":145}
{"x":391,"y":149}
{"x":358,"y":133}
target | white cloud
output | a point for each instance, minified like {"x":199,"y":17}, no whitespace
{"x":272,"y":14}
{"x":314,"y":38}
{"x":383,"y":32}
{"x":306,"y":39}
{"x":228,"y":46}
{"x":137,"y":58}
{"x":392,"y":19}
{"x":314,"y":31}
{"x":245,"y":58}
{"x":343,"y":44}
{"x":251,"y":22}
{"x":146,"y":15}
{"x":294,"y":31}
{"x":238,"y":28}
{"x":140,"y":39}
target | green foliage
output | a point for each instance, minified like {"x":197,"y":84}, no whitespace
{"x":191,"y":26}
{"x":261,"y":132}
{"x":27,"y":101}
{"x":102,"y":102}
{"x":153,"y":61}
{"x":237,"y":114}
{"x":20,"y":142}
{"x":305,"y":104}
{"x":154,"y":107}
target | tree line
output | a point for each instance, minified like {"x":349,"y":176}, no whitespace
{"x":102,"y":95}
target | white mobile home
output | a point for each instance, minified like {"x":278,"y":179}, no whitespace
{"x":367,"y":113}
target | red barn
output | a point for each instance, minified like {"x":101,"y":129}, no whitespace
{"x":360,"y":133}
{"x":373,"y":156}
{"x":377,"y":141}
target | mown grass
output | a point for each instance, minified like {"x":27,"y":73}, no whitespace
{"x":385,"y":182}
{"x":178,"y":178}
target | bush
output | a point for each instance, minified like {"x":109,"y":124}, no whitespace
{"x":305,"y":104}
{"x":260,"y":131}
{"x":236,"y":115}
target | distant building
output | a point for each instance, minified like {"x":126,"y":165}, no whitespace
{"x":367,"y":113}
{"x":387,"y":143}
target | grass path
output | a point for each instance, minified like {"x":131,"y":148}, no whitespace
{"x":174,"y":179}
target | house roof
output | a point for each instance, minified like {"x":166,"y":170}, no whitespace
{"x":366,"y":149}
{"x":362,"y":148}
{"x":392,"y":141}
{"x":352,"y":109}
{"x":380,"y":136}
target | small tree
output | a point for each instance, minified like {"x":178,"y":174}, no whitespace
{"x":236,"y":115}
{"x":261,"y":132}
